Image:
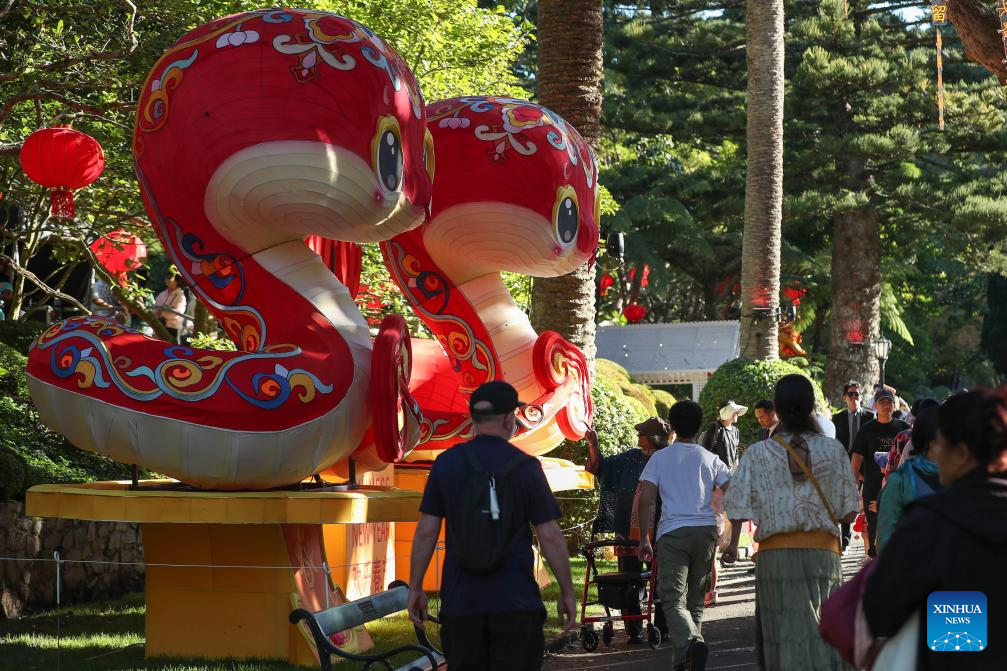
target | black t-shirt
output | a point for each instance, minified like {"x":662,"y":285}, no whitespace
{"x":875,"y":437}
{"x":513,"y":587}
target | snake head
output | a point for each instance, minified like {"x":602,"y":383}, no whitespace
{"x":280,"y":123}
{"x":516,"y":189}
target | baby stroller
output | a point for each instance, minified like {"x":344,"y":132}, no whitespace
{"x":616,"y":591}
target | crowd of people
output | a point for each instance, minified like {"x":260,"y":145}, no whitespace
{"x":930,"y":487}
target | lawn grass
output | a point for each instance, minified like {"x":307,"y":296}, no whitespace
{"x":109,"y":636}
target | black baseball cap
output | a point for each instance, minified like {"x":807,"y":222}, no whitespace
{"x":884,"y":393}
{"x":500,"y":395}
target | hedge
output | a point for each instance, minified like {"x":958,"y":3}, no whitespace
{"x":19,"y":333}
{"x":44,"y":455}
{"x":745,"y":381}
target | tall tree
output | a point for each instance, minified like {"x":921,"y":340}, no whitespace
{"x":569,"y":83}
{"x":760,"y":256}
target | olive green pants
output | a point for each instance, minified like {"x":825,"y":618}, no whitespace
{"x":685,"y":560}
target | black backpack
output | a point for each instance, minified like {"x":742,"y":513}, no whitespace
{"x":483,"y":527}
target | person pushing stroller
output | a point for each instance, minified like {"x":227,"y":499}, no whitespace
{"x":620,"y":479}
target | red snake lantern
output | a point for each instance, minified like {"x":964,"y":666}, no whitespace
{"x":62,"y":160}
{"x":253,"y":132}
{"x":516,"y":191}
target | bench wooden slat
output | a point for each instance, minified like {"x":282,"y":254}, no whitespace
{"x":355,"y":613}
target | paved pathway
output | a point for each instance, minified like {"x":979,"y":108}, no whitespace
{"x":729,"y":628}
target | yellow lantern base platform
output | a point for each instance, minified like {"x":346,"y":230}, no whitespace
{"x":208,"y":594}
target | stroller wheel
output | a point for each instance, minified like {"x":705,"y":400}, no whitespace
{"x":588,"y":638}
{"x":607,"y":633}
{"x":653,"y":637}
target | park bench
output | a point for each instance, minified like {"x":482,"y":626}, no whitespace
{"x":325,"y":623}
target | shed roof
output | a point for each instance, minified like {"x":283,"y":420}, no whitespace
{"x":671,"y":353}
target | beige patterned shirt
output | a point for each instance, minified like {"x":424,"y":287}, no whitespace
{"x":762,"y":489}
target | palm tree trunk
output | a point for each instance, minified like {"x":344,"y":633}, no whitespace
{"x":760,"y":257}
{"x":569,"y":83}
{"x":856,"y":300}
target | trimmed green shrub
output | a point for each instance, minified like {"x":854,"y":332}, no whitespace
{"x":19,"y":333}
{"x":663,"y":402}
{"x":615,"y":415}
{"x":744,"y":381}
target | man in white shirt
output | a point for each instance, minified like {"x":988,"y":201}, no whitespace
{"x":685,"y":474}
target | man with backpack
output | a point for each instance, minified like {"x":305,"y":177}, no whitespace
{"x":721,"y":437}
{"x":489,"y":493}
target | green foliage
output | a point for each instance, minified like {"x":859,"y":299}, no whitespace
{"x":212,"y":341}
{"x":45,"y":456}
{"x":615,"y":415}
{"x":745,"y":381}
{"x":663,"y":400}
{"x":453,"y":46}
{"x":13,"y":472}
{"x":19,"y":334}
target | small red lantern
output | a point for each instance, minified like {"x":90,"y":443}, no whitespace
{"x":63,"y":160}
{"x":634,"y":312}
{"x":606,"y":283}
{"x":120,"y":252}
{"x":644,"y":281}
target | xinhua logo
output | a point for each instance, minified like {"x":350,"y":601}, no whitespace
{"x":956,"y":621}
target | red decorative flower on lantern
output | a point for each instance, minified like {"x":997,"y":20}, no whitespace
{"x":63,"y":160}
{"x":605,"y":283}
{"x":634,"y":312}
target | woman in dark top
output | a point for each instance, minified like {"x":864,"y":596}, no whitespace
{"x":955,"y":540}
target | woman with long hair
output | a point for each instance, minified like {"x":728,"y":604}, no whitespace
{"x":953,"y":541}
{"x":797,"y":487}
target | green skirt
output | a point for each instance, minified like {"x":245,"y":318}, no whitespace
{"x":790,"y":586}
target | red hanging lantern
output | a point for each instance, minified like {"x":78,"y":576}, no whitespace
{"x":634,"y":312}
{"x":63,"y":160}
{"x":120,"y":252}
{"x":644,"y":281}
{"x":606,"y":283}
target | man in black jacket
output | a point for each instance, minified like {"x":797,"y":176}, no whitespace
{"x":953,"y":541}
{"x":848,"y":423}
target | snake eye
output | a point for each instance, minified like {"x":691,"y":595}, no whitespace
{"x":566,"y":216}
{"x":386,"y":154}
{"x":429,"y":161}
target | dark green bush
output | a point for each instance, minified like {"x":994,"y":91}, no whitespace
{"x":19,"y":333}
{"x":13,"y":473}
{"x":745,"y":382}
{"x":46,"y":456}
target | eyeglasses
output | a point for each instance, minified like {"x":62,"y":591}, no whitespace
{"x":853,"y":394}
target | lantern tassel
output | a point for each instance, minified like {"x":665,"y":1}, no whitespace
{"x":62,"y":203}
{"x":940,"y":81}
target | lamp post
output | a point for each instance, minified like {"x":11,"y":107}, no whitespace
{"x":882,"y":347}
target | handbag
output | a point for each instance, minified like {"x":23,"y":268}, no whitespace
{"x":899,"y":652}
{"x":807,"y":471}
{"x":839,"y":612}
